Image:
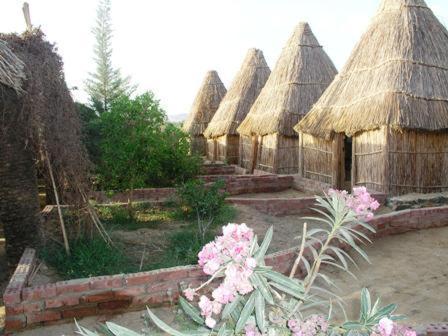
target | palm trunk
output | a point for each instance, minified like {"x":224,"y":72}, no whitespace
{"x":19,"y":202}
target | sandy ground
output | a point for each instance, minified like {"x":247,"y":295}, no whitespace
{"x":410,"y":270}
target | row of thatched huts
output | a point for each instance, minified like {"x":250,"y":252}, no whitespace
{"x":382,"y":122}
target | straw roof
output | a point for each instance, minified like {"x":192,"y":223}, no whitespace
{"x":301,"y":74}
{"x":397,"y":75}
{"x":11,"y":68}
{"x":205,"y":104}
{"x":246,"y":87}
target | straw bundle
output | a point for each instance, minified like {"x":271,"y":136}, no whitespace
{"x":246,"y":86}
{"x":397,"y":76}
{"x":11,"y":68}
{"x":301,"y":74}
{"x":205,"y":105}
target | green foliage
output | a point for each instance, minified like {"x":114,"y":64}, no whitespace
{"x":139,"y":149}
{"x":370,"y":316}
{"x":182,"y":249}
{"x":91,"y":134}
{"x":175,"y":164}
{"x":203,"y":203}
{"x":130,"y":142}
{"x":106,"y":83}
{"x":88,"y":258}
{"x":145,"y":216}
{"x":283,"y":298}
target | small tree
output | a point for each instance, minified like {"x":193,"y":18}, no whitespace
{"x":205,"y":203}
{"x":139,"y":149}
{"x":130,"y":140}
{"x":106,"y":83}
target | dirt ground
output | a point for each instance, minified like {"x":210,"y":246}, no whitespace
{"x":410,"y":270}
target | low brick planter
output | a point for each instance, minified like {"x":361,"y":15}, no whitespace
{"x":40,"y":305}
{"x":286,"y":206}
{"x":235,"y":185}
{"x":218,"y":169}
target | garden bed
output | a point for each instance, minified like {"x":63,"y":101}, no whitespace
{"x":103,"y":295}
{"x":413,"y":250}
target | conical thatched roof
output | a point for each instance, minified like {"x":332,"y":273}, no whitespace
{"x":397,"y":75}
{"x":301,"y":74}
{"x":11,"y":68}
{"x":205,"y":104}
{"x":246,"y":87}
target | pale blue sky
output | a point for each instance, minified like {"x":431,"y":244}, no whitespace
{"x":167,"y":45}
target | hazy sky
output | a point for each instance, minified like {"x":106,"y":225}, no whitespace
{"x":167,"y":45}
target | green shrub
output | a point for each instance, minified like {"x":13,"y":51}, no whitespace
{"x":144,"y":216}
{"x":203,"y":204}
{"x":140,"y":149}
{"x":182,"y":249}
{"x":88,"y":258}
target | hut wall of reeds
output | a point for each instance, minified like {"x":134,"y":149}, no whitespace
{"x":302,"y":73}
{"x":221,"y":134}
{"x":383,"y":122}
{"x":206,"y":103}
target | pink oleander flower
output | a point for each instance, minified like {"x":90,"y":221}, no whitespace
{"x":385,"y":326}
{"x":216,"y":308}
{"x":208,"y":252}
{"x":360,"y":202}
{"x":211,"y":266}
{"x":189,"y":294}
{"x":210,"y":322}
{"x":251,"y":263}
{"x":312,"y":326}
{"x":251,"y":330}
{"x":206,"y":306}
{"x":223,"y":294}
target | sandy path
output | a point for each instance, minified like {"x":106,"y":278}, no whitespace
{"x":410,"y":270}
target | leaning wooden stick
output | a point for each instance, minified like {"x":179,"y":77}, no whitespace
{"x":299,"y":257}
{"x":58,"y":205}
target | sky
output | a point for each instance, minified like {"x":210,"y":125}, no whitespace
{"x":167,"y":46}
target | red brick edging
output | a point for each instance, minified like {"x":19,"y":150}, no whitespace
{"x":31,"y":306}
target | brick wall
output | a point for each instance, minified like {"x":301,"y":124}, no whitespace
{"x":217,"y":169}
{"x":235,"y":185}
{"x":40,"y":305}
{"x":286,"y":206}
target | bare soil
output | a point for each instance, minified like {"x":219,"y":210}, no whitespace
{"x":409,"y":270}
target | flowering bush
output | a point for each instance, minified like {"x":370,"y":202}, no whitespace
{"x":251,"y":299}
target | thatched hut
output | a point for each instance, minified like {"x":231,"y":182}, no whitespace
{"x":383,"y":122}
{"x":303,"y":71}
{"x":222,"y":138}
{"x":39,"y":134}
{"x":204,"y":108}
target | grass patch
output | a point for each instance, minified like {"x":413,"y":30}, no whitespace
{"x":95,"y":258}
{"x":88,"y":258}
{"x":145,"y":216}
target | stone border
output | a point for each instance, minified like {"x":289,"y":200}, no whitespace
{"x":235,"y":185}
{"x":286,"y":206}
{"x":47,"y":304}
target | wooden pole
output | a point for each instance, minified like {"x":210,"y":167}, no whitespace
{"x":58,"y":205}
{"x":27,"y":15}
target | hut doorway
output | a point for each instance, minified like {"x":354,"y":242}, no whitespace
{"x":254,"y":155}
{"x":348,"y":161}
